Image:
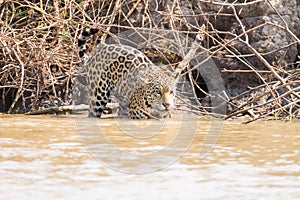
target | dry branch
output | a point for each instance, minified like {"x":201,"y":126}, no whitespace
{"x":39,"y":62}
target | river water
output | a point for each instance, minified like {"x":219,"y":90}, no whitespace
{"x":186,"y":157}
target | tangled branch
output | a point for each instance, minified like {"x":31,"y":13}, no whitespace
{"x":257,"y":58}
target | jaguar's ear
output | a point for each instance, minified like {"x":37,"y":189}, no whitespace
{"x":175,"y":73}
{"x":146,"y":78}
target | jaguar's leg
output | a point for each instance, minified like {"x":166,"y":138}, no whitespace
{"x":99,"y":99}
{"x":137,"y":110}
{"x":140,"y":109}
{"x":137,"y":114}
{"x":123,"y":109}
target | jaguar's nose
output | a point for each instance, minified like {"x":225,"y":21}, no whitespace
{"x":166,"y":105}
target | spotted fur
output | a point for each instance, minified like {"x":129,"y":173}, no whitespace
{"x":143,"y":89}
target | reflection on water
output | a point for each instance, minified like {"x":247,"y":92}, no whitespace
{"x":45,"y":158}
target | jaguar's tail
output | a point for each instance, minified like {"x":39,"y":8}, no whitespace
{"x":82,"y":40}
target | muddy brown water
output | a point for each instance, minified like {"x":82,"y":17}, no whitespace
{"x":50,"y":157}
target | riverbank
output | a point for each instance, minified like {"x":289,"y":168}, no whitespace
{"x":252,"y":47}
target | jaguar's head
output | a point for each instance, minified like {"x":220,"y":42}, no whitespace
{"x":159,"y":96}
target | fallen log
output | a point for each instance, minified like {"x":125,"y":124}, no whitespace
{"x":109,"y":109}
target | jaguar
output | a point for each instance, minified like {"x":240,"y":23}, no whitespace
{"x":144,"y":90}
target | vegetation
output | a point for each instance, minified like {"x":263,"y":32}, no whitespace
{"x":39,"y":61}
